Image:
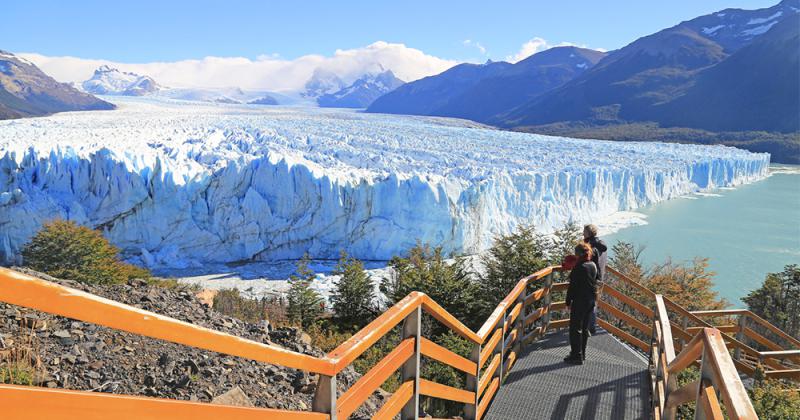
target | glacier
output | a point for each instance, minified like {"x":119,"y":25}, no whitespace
{"x":182,"y":184}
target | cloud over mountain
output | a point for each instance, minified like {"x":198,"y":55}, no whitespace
{"x":266,"y":72}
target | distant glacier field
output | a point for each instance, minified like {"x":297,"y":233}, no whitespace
{"x":180,"y":184}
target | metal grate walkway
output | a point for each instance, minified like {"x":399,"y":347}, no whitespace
{"x":611,"y":385}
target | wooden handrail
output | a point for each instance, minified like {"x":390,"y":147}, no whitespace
{"x":717,"y":370}
{"x":23,"y":290}
{"x":497,"y":342}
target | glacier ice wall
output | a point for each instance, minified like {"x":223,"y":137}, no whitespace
{"x":179,"y":184}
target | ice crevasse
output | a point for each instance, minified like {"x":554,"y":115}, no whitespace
{"x":177,"y":184}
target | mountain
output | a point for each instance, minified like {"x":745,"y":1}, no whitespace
{"x":522,"y":82}
{"x":362,"y":92}
{"x":110,"y":81}
{"x":426,"y":96}
{"x":322,"y":82}
{"x":264,"y":100}
{"x":756,"y":88}
{"x":645,"y":80}
{"x":26,"y":91}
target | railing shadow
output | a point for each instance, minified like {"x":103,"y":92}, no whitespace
{"x":617,"y":405}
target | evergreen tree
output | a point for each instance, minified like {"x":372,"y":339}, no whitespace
{"x":563,"y":242}
{"x":427,"y":270}
{"x":778,"y":299}
{"x":305,"y":304}
{"x":66,"y":250}
{"x":353,"y":300}
{"x":511,"y":258}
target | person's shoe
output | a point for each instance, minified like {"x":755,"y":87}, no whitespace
{"x":574,"y":361}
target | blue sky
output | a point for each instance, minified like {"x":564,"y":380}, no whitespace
{"x":165,"y":30}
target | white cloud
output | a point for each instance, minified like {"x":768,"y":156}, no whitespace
{"x":536,"y":45}
{"x":475,"y":44}
{"x":268,"y":72}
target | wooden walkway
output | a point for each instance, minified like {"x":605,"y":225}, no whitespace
{"x":612,"y":384}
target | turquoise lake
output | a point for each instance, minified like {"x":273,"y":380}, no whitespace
{"x":745,"y":232}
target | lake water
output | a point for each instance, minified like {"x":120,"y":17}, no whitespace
{"x":746,"y":232}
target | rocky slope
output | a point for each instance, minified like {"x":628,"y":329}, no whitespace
{"x":110,"y":81}
{"x":81,"y":356}
{"x":362,"y":92}
{"x":26,"y":91}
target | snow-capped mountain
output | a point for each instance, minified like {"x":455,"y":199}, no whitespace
{"x":321,"y":83}
{"x":26,"y":91}
{"x":107,"y":80}
{"x":216,"y":183}
{"x":362,"y":92}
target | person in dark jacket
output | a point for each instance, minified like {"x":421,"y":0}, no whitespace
{"x":581,"y":295}
{"x":600,"y":258}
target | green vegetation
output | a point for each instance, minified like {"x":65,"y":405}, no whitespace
{"x":66,"y":250}
{"x":305,"y":304}
{"x":778,"y":299}
{"x":353,"y":300}
{"x":785,"y":148}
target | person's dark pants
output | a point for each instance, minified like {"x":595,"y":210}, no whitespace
{"x":593,"y":321}
{"x":579,"y":317}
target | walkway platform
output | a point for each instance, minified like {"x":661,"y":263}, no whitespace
{"x":612,"y":384}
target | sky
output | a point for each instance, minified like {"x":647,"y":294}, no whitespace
{"x":435,"y":34}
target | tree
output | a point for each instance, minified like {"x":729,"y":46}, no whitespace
{"x":690,"y":286}
{"x":353,"y":300}
{"x":778,"y":299}
{"x":305,"y":304}
{"x":510,"y":258}
{"x":563,"y":242}
{"x":626,"y":258}
{"x":426,"y":270}
{"x":66,"y":250}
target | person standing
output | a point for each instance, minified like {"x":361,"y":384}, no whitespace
{"x":581,"y":296}
{"x":600,"y":258}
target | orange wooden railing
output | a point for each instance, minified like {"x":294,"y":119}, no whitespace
{"x":496,"y":342}
{"x":525,"y":314}
{"x":718,"y":375}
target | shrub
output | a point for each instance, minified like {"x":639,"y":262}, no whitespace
{"x":305,"y":304}
{"x":426,"y":270}
{"x":353,"y":300}
{"x":778,"y":299}
{"x":510,"y":258}
{"x":65,"y":250}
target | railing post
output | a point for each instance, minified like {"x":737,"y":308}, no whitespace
{"x":412,"y":327}
{"x":548,"y":299}
{"x":519,"y":324}
{"x":325,"y":396}
{"x":684,"y":325}
{"x":471,"y":410}
{"x":501,"y":348}
{"x":706,"y":374}
{"x":740,"y":336}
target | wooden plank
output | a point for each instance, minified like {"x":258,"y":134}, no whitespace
{"x":395,"y":403}
{"x":783,"y":374}
{"x":364,"y":339}
{"x":510,"y":339}
{"x":512,"y":316}
{"x":510,"y":360}
{"x":487,"y":399}
{"x":622,"y":316}
{"x":561,"y":323}
{"x":611,"y":291}
{"x":558,"y":306}
{"x":441,"y":315}
{"x":723,"y":328}
{"x":488,"y":349}
{"x":624,"y":335}
{"x":666,"y":329}
{"x":533,"y":316}
{"x":719,"y":312}
{"x":437,"y":390}
{"x":444,"y":355}
{"x":774,"y":329}
{"x":536,"y":295}
{"x":21,"y":402}
{"x":487,"y":376}
{"x":709,"y":403}
{"x":682,"y":395}
{"x":30,"y":292}
{"x":727,"y":379}
{"x":372,"y":380}
{"x":760,"y":339}
{"x":559,"y":287}
{"x":691,"y":352}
